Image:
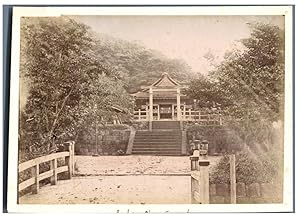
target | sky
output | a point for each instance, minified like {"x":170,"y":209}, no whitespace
{"x":185,"y":37}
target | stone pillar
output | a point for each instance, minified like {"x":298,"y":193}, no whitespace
{"x":150,"y":108}
{"x":204,"y":181}
{"x":178,"y":105}
{"x":199,"y":178}
{"x":194,"y":183}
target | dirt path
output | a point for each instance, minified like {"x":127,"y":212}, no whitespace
{"x":135,"y":164}
{"x":122,"y":180}
{"x":115,"y":190}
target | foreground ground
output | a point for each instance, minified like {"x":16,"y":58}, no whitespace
{"x":122,"y":180}
{"x":115,"y":190}
{"x":135,"y":164}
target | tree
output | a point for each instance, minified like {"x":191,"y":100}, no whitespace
{"x":61,"y":71}
{"x":253,"y":78}
{"x":249,"y":83}
{"x":136,"y":64}
{"x":206,"y":92}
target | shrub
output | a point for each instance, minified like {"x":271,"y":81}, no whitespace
{"x":250,"y":168}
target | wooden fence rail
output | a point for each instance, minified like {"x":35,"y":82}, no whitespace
{"x":36,"y":176}
{"x":203,"y":117}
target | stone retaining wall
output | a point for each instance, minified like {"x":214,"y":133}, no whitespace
{"x":221,"y":140}
{"x":110,"y":142}
{"x":246,"y":193}
{"x":140,"y":125}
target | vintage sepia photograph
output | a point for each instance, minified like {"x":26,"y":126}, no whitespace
{"x":185,"y":108}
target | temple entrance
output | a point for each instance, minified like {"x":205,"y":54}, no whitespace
{"x":166,"y":112}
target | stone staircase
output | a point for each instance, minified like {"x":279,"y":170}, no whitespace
{"x":164,"y":139}
{"x":166,"y":125}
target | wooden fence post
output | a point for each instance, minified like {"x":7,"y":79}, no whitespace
{"x":69,"y":161}
{"x":35,"y":173}
{"x":232,"y":179}
{"x":53,"y":167}
{"x":73,"y":157}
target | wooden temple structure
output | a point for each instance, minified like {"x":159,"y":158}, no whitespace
{"x":164,"y":100}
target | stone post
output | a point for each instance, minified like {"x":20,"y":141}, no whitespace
{"x":204,"y":181}
{"x":194,"y":183}
{"x":199,"y":178}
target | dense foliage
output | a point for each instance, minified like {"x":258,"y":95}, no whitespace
{"x":65,"y":82}
{"x":137,"y":65}
{"x":251,"y":168}
{"x":248,"y":85}
{"x":72,"y":78}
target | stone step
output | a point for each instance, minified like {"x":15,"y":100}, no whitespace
{"x":158,"y":139}
{"x":165,"y":125}
{"x":155,"y":139}
{"x":157,"y":149}
{"x":162,"y":153}
{"x":156,"y":144}
{"x":158,"y":135}
{"x":158,"y":132}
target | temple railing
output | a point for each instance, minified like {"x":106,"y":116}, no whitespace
{"x":202,"y":117}
{"x":141,"y":115}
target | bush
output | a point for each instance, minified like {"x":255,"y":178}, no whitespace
{"x":250,"y":168}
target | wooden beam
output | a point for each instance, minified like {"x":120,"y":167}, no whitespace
{"x":35,"y":174}
{"x":62,"y":169}
{"x":26,"y":183}
{"x":39,"y":160}
{"x":53,"y":168}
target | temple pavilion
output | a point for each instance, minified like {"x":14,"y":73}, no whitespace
{"x":164,"y":100}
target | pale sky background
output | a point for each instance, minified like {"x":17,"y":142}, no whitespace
{"x":184,"y":37}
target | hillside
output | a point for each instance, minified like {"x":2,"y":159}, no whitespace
{"x":136,"y":64}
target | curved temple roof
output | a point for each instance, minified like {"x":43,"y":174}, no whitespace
{"x":164,"y":82}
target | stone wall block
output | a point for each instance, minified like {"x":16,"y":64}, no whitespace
{"x":241,"y":189}
{"x":267,"y":190}
{"x":212,"y":190}
{"x":222,"y":190}
{"x":217,"y":200}
{"x":254,"y":190}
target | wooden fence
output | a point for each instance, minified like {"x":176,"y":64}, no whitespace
{"x":203,"y":117}
{"x":36,"y":176}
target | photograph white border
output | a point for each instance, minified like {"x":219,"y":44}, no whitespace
{"x":19,"y":12}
